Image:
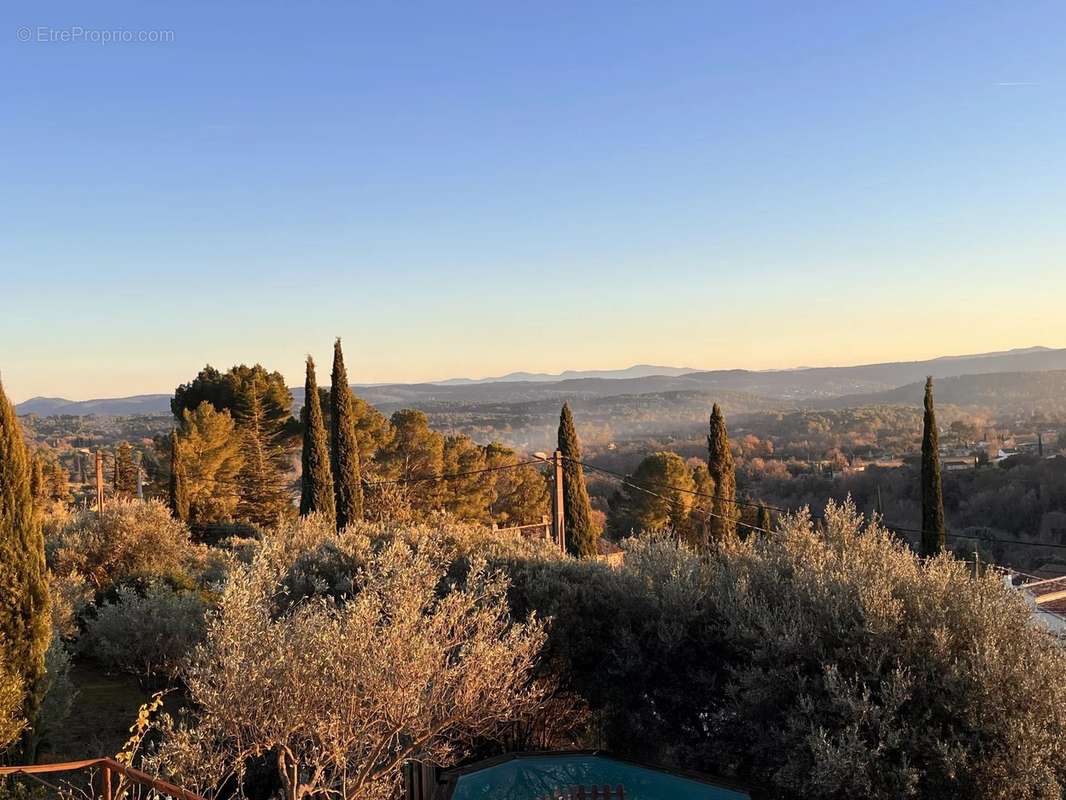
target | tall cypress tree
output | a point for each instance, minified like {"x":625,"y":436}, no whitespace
{"x":720,"y":464}
{"x":765,"y":519}
{"x":179,"y":481}
{"x":125,"y":471}
{"x":37,"y":489}
{"x":933,"y":532}
{"x":25,"y":624}
{"x":316,"y":482}
{"x":344,"y":445}
{"x":577,"y":512}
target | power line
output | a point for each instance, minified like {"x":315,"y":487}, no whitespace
{"x":623,"y":479}
{"x":896,"y":528}
{"x":733,"y":501}
{"x":450,"y":476}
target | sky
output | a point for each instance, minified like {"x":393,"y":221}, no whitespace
{"x":472,"y":188}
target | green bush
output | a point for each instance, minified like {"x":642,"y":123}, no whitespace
{"x":824,"y":664}
{"x":855,"y":669}
{"x":58,"y":696}
{"x":130,"y":538}
{"x":147,"y":633}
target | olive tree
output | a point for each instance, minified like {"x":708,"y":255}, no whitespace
{"x":129,"y":538}
{"x":856,"y":669}
{"x":338,"y":692}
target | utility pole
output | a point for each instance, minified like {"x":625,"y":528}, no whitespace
{"x":558,"y":516}
{"x":140,"y":476}
{"x":99,"y":483}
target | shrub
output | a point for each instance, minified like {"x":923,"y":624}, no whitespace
{"x":58,"y":695}
{"x":71,"y":595}
{"x":633,"y":642}
{"x":146,"y":633}
{"x":130,"y":538}
{"x":857,"y":670}
{"x":342,"y":690}
{"x":825,"y":664}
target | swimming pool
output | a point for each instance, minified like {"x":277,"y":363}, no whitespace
{"x":533,"y":777}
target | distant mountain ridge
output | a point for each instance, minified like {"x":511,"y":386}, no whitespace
{"x":801,"y":385}
{"x":636,"y":371}
{"x":1021,"y":392}
{"x":105,"y":407}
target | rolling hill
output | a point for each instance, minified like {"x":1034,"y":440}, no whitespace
{"x":854,"y":384}
{"x":1021,"y":393}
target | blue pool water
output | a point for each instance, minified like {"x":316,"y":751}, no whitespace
{"x":536,"y":776}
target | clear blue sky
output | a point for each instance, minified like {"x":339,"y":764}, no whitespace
{"x":473,"y":188}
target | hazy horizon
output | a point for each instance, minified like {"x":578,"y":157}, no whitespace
{"x":295,"y":377}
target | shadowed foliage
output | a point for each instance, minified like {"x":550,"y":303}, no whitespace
{"x":25,"y":628}
{"x":723,"y":524}
{"x":580,"y":535}
{"x":316,"y":481}
{"x":344,"y":445}
{"x":932,"y":494}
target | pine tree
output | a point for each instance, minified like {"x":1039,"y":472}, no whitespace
{"x":414,"y":452}
{"x":25,"y":624}
{"x":933,"y":532}
{"x":211,"y":455}
{"x":179,"y":482}
{"x":577,"y":512}
{"x":344,"y":445}
{"x":723,"y":524}
{"x":260,"y":482}
{"x":316,"y":481}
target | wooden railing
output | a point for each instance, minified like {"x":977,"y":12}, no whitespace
{"x":587,"y":793}
{"x":115,"y":778}
{"x":538,"y":530}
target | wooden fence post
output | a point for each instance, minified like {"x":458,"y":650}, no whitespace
{"x":105,"y":779}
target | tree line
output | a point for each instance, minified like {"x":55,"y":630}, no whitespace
{"x":238,"y":454}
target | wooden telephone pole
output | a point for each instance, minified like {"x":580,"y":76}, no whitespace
{"x":558,"y":516}
{"x":99,"y":483}
{"x":140,"y":475}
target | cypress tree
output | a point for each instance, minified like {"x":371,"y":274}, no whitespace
{"x":577,"y":512}
{"x":25,"y":623}
{"x":933,"y":532}
{"x":125,"y":471}
{"x":179,"y":481}
{"x":37,"y":490}
{"x":316,"y":481}
{"x":720,"y":464}
{"x":765,"y":520}
{"x":344,"y":445}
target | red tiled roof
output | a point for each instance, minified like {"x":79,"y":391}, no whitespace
{"x":1049,"y":588}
